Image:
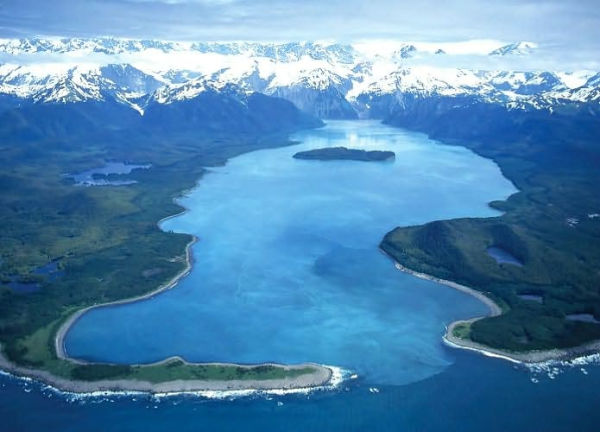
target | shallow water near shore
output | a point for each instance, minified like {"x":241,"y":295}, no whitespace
{"x":287,"y":269}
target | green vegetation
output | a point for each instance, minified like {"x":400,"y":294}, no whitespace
{"x":549,"y":226}
{"x":343,"y":153}
{"x":105,"y":239}
{"x":462,"y":330}
{"x":100,"y":371}
{"x":179,"y":370}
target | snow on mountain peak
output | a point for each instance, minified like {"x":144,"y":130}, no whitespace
{"x":406,"y":51}
{"x":133,"y":72}
{"x":517,"y":48}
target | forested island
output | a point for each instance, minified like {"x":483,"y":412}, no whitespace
{"x":344,"y":153}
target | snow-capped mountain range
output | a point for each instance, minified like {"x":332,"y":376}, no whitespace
{"x":325,"y":79}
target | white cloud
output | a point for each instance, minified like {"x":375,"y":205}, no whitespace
{"x":567,"y":29}
{"x":468,"y":47}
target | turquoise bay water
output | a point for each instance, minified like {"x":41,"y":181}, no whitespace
{"x":287,"y":267}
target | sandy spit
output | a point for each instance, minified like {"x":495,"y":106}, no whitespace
{"x":321,"y":377}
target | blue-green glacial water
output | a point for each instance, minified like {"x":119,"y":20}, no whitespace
{"x":287,"y":266}
{"x":287,"y":269}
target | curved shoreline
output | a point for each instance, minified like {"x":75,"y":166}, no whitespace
{"x":495,"y":310}
{"x":59,"y":344}
{"x":321,"y":378}
{"x":527,"y":357}
{"x":65,"y":326}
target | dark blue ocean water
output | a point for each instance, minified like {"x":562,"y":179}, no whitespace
{"x":473,"y":394}
{"x":287,"y":269}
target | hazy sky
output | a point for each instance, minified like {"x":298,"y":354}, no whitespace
{"x":551,"y":22}
{"x":569,"y":28}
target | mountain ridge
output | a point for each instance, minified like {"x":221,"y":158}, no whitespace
{"x":327,"y":80}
